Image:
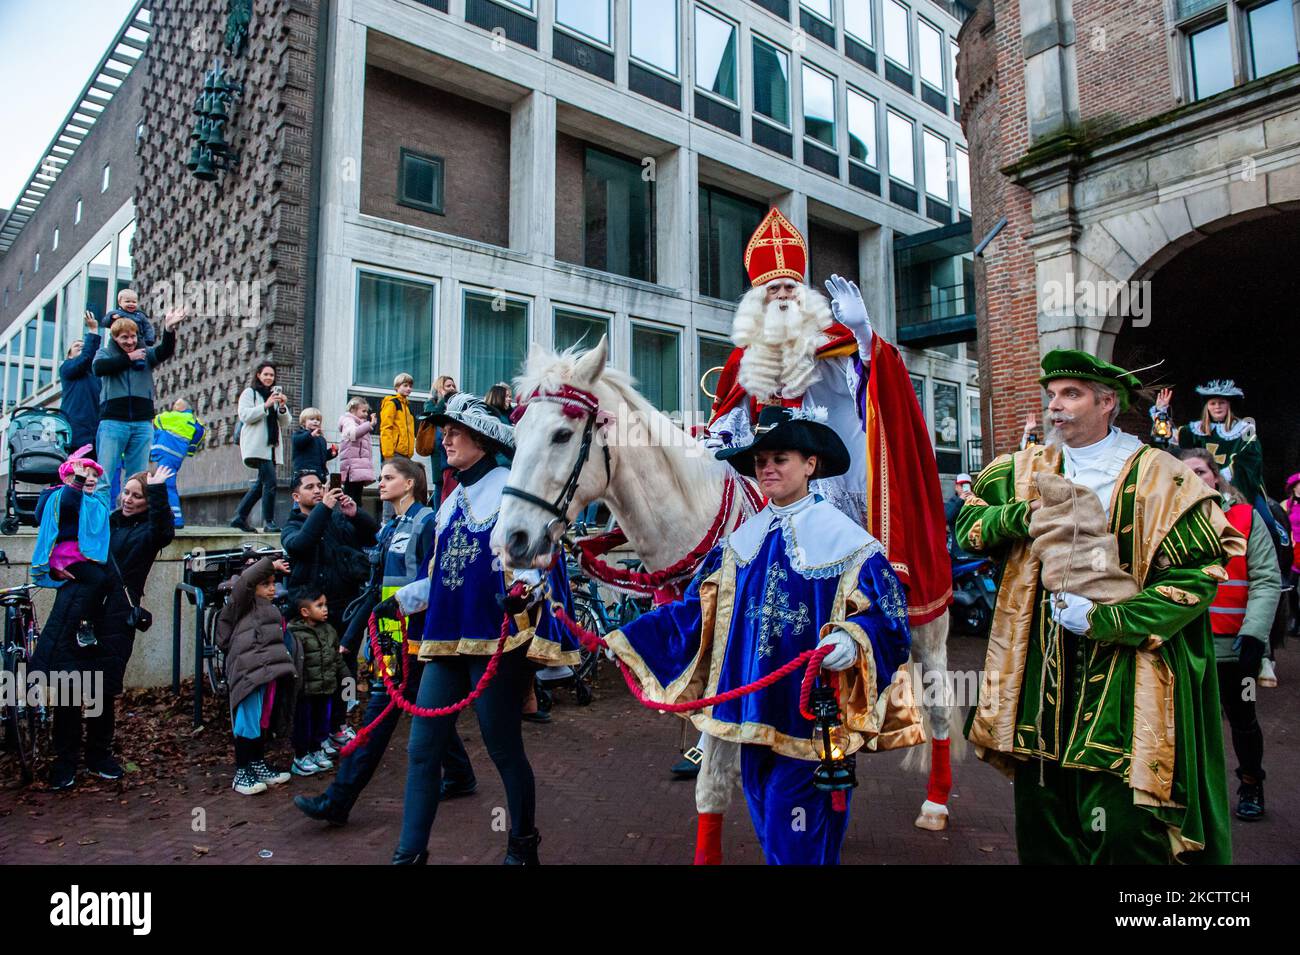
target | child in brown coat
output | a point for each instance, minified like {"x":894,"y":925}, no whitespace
{"x":250,"y":632}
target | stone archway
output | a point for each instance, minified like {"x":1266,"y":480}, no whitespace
{"x":1226,"y":305}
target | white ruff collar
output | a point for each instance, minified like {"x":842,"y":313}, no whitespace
{"x":1239,"y":427}
{"x":819,"y":540}
{"x":480,"y":501}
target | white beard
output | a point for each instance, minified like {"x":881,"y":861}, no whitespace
{"x":780,"y":359}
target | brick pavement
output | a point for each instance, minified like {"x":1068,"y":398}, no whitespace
{"x":604,"y":796}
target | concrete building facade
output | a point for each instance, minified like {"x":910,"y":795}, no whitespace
{"x":1138,"y":168}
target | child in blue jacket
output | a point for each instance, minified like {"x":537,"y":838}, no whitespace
{"x":177,"y":435}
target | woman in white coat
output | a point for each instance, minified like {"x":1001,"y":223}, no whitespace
{"x":263,"y":419}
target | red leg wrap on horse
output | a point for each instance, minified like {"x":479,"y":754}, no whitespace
{"x":708,"y":839}
{"x":940,"y":772}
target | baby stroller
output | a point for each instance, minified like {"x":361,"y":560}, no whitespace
{"x":39,"y":441}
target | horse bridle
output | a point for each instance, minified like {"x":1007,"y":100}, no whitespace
{"x":575,"y":403}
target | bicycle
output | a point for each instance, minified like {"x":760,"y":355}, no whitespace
{"x":26,"y":721}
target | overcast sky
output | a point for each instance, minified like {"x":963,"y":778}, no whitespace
{"x":47,"y":50}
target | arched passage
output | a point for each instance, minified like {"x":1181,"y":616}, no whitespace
{"x":1229,"y":307}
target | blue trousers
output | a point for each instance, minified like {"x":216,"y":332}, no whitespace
{"x":793,"y":819}
{"x":357,"y":768}
{"x":160,"y":454}
{"x":123,"y":448}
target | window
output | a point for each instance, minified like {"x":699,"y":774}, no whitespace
{"x":29,"y":339}
{"x":55,"y":244}
{"x":726,"y":223}
{"x":48,"y":326}
{"x":394,"y":330}
{"x":857,"y":20}
{"x":36,"y":263}
{"x":1211,"y":60}
{"x":98,"y":274}
{"x":963,"y":180}
{"x":935,"y":153}
{"x":818,"y":106}
{"x":821,"y":8}
{"x":583,"y":329}
{"x":618,"y":222}
{"x":654,"y":33}
{"x":76,"y":216}
{"x":897,"y":38}
{"x":902,"y":155}
{"x":713,"y":353}
{"x":771,"y":82}
{"x":862,"y":128}
{"x":947,"y":416}
{"x":588,"y":17}
{"x":918,"y":386}
{"x":1272,"y":38}
{"x":656,"y":366}
{"x":929,"y":52}
{"x":125,"y":240}
{"x":20,"y":280}
{"x":525,"y":4}
{"x":715,"y":55}
{"x":420,"y":181}
{"x":103,"y":182}
{"x":494,"y":340}
{"x":952,"y":66}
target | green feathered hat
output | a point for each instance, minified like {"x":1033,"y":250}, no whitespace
{"x":1072,"y":363}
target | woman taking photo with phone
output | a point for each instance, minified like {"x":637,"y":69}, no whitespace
{"x":263,"y":418}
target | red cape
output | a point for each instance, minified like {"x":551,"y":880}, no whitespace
{"x":904,"y":502}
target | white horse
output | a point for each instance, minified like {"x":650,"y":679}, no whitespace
{"x":664,"y":488}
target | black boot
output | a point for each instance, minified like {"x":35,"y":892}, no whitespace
{"x":320,"y":807}
{"x":1250,"y":801}
{"x":410,"y":858}
{"x":523,"y":849}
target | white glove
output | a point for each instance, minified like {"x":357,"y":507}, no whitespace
{"x":849,"y":310}
{"x":1074,"y":615}
{"x":845,"y":652}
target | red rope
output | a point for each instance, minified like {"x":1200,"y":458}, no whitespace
{"x":397,"y":694}
{"x":813,"y":658}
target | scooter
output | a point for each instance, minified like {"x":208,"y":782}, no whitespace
{"x":974,"y":590}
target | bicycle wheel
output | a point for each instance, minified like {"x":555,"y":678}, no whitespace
{"x":214,"y":662}
{"x":20,"y":728}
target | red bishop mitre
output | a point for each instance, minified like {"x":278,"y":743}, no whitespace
{"x":776,"y":250}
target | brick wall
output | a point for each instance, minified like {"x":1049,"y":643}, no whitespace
{"x":112,"y":141}
{"x":250,"y":225}
{"x":994,"y":119}
{"x":831,"y":251}
{"x":472,"y":139}
{"x":1122,"y":61}
{"x":570,"y":162}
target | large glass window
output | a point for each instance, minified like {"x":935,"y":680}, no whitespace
{"x":929,"y":53}
{"x":48,"y":328}
{"x":713,"y":353}
{"x":29,"y":339}
{"x":583,"y":329}
{"x":952,"y":67}
{"x":820,"y":7}
{"x":125,"y":239}
{"x":963,"y":180}
{"x":495,"y":340}
{"x":1211,"y":60}
{"x":654,"y":33}
{"x":1272,"y":38}
{"x":726,"y":223}
{"x":656,"y":366}
{"x":857,"y":20}
{"x":902,"y":151}
{"x":771,"y":82}
{"x":98,"y":274}
{"x":715,"y":54}
{"x":862,"y":128}
{"x":947,"y":416}
{"x":394,"y":332}
{"x":618,"y":223}
{"x":935,"y":151}
{"x":588,"y":17}
{"x":818,"y":106}
{"x":897,"y":42}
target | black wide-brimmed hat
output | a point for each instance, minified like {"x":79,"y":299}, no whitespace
{"x":474,"y":413}
{"x":791,"y":429}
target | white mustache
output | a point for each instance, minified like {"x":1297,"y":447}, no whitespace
{"x":1061,"y":416}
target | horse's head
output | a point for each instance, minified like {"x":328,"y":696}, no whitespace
{"x":549,"y":454}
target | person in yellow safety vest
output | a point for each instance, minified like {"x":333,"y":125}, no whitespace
{"x":1241,"y":617}
{"x":177,"y":435}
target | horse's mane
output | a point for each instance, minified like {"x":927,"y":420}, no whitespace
{"x":547,"y":370}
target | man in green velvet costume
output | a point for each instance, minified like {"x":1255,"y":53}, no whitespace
{"x":1105,"y":715}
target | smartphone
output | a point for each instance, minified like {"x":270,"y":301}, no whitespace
{"x":336,"y":481}
{"x":277,"y":390}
